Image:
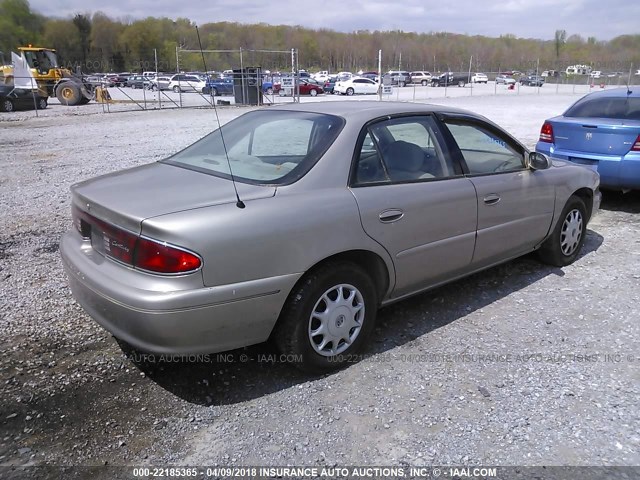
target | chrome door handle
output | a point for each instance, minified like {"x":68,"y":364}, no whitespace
{"x":492,"y":199}
{"x":392,"y":215}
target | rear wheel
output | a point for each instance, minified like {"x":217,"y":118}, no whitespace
{"x":69,"y":94}
{"x":176,"y":89}
{"x":313,"y":93}
{"x":564,"y":244}
{"x":401,"y":84}
{"x":42,"y":103}
{"x":328,"y":317}
{"x":7,"y":105}
{"x":461,"y":83}
{"x":350,"y":91}
{"x":424,"y":83}
{"x":269,"y":91}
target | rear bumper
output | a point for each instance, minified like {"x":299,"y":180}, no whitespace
{"x":156,"y":319}
{"x":615,"y":172}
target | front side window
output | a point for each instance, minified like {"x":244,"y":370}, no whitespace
{"x":402,"y":149}
{"x":484,"y":150}
{"x":263,"y":147}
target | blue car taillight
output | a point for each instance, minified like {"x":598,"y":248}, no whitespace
{"x":546,"y":133}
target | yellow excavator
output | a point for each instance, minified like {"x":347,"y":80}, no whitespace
{"x":68,"y":87}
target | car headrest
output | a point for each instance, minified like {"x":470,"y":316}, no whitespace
{"x":404,"y":156}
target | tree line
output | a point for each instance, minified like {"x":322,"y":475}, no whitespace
{"x":97,"y":42}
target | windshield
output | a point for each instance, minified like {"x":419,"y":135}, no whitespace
{"x":263,"y":147}
{"x":43,"y":60}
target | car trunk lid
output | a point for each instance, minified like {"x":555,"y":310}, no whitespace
{"x":595,"y":136}
{"x":128,"y":197}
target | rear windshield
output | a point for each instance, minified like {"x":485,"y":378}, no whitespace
{"x":627,"y":108}
{"x":263,"y":146}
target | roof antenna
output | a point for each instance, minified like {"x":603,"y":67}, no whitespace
{"x":629,"y":92}
{"x":239,"y":203}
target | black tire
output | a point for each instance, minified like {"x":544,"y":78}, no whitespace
{"x":461,"y":83}
{"x":350,"y":91}
{"x":42,"y":103}
{"x":84,"y":100}
{"x":269,"y":91}
{"x":176,"y":89}
{"x":424,"y":83}
{"x":7,"y":105}
{"x":313,"y":92}
{"x":567,"y":239}
{"x":292,"y":333}
{"x":214,"y":92}
{"x":69,"y":94}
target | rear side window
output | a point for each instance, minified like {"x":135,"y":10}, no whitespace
{"x":402,"y":149}
{"x":606,"y":107}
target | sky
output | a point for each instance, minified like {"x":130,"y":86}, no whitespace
{"x":602,"y":19}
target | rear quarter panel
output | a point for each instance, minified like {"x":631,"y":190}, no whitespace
{"x":285,"y":234}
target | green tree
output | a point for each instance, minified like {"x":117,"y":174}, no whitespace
{"x":18,"y":25}
{"x":83,"y":26}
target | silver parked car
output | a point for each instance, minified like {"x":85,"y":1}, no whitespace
{"x":247,"y":235}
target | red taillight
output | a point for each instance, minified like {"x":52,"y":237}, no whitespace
{"x":636,"y":145}
{"x":162,"y":258}
{"x":133,"y":250}
{"x":546,"y":133}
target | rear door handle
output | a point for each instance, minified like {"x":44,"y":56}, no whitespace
{"x":492,"y":199}
{"x":392,"y":215}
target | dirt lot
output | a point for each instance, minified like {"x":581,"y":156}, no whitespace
{"x":520,"y":365}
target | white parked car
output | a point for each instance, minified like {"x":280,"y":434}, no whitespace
{"x":479,"y":78}
{"x":505,"y":79}
{"x":186,"y":83}
{"x":356,"y":86}
{"x":321,"y":76}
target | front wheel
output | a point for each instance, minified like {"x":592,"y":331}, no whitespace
{"x":42,"y":103}
{"x":176,"y":89}
{"x":313,"y":93}
{"x":461,"y":83}
{"x":350,"y":91}
{"x":328,"y":317}
{"x":564,"y":244}
{"x":424,"y":83}
{"x":269,"y":91}
{"x":69,"y":94}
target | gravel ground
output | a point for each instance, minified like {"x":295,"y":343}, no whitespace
{"x":523,"y":364}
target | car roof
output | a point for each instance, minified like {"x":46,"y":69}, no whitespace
{"x":616,"y":92}
{"x":370,"y":108}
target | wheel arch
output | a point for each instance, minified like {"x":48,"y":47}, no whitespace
{"x":369,"y":261}
{"x":586,"y":195}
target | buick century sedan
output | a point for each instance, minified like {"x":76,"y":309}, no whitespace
{"x":249,"y":234}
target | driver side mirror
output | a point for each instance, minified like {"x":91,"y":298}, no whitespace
{"x":539,"y":161}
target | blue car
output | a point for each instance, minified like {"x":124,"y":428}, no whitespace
{"x":219,"y":86}
{"x":602,"y":132}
